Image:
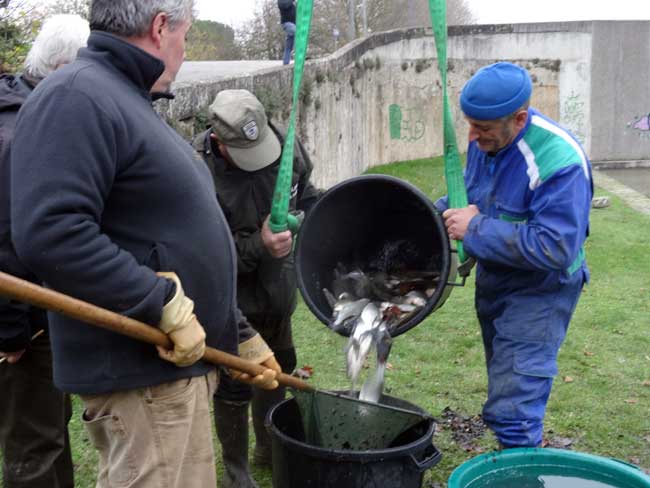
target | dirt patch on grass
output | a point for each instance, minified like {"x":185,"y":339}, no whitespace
{"x":465,"y":430}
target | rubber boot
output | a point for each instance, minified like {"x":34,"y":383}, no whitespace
{"x":263,"y":401}
{"x":231,"y":421}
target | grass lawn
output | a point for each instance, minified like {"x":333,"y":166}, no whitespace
{"x":601,"y":398}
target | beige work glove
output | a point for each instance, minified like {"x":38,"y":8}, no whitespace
{"x":257,"y":351}
{"x":181,"y":326}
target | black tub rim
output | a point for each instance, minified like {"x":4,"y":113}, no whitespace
{"x":445,"y":271}
{"x":348,"y":454}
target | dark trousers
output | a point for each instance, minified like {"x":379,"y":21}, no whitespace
{"x":33,"y":422}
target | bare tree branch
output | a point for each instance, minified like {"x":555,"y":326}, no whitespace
{"x":79,"y":7}
{"x":337,"y":22}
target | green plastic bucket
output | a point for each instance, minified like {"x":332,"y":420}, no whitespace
{"x":496,"y":468}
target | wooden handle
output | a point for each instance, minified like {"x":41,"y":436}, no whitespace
{"x":27,"y":292}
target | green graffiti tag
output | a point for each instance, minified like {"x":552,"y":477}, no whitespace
{"x":406,"y":124}
{"x":395,"y":121}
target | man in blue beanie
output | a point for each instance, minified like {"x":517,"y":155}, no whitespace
{"x":529,"y":186}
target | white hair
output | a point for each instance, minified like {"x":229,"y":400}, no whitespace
{"x":57,"y":43}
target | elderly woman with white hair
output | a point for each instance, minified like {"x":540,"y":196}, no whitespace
{"x":33,"y":413}
{"x":57,"y":44}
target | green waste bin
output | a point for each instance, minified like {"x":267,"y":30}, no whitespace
{"x":505,"y":468}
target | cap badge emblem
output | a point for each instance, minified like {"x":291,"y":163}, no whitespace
{"x":250,"y":130}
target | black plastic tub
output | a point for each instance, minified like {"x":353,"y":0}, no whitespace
{"x":297,"y":464}
{"x":353,"y":221}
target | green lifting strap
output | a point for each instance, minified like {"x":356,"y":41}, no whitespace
{"x":280,"y":219}
{"x":453,"y":169}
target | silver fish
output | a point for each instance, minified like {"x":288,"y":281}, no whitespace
{"x":361,"y":340}
{"x":356,"y":282}
{"x":374,"y":385}
{"x":395,"y":314}
{"x":416,"y":298}
{"x":402,"y":307}
{"x":345,"y":311}
{"x":331,"y":299}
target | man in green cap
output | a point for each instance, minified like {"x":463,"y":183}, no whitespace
{"x":243,"y":150}
{"x":529,"y":186}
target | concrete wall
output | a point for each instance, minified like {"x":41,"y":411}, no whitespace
{"x":620,"y":100}
{"x":378,"y":100}
{"x":561,"y":47}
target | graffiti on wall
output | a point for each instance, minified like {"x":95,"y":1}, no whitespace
{"x":406,"y":124}
{"x":573,"y":116}
{"x":642,"y":126}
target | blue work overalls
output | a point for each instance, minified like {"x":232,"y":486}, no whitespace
{"x":534,"y":198}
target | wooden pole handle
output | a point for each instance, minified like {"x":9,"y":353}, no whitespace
{"x":27,"y":292}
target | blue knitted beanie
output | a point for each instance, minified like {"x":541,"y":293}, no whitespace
{"x":495,"y":91}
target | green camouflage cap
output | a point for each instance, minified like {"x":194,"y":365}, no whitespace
{"x":239,"y":121}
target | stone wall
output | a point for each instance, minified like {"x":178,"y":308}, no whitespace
{"x":378,"y":100}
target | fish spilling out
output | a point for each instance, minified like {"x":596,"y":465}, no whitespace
{"x":368,"y":331}
{"x":368,"y":306}
{"x":398,"y":296}
{"x":374,"y":385}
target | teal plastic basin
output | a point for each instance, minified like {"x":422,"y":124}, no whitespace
{"x":485,"y":470}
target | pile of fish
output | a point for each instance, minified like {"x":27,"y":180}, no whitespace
{"x":369,"y":307}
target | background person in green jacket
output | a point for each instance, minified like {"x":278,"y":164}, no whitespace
{"x":243,"y":151}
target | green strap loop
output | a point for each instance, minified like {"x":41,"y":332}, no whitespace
{"x":280,"y":219}
{"x":453,"y":169}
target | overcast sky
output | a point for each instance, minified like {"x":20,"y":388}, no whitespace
{"x":235,"y":12}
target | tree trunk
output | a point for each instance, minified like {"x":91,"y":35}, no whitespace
{"x":352,"y":29}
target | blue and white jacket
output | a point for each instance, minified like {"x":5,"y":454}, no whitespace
{"x":534,"y":196}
